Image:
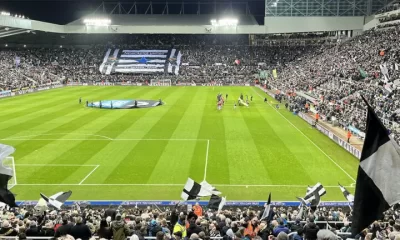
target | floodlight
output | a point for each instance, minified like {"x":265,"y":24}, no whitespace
{"x":24,"y":45}
{"x":225,"y":22}
{"x":6,"y":45}
{"x":97,"y":21}
{"x":5,"y":13}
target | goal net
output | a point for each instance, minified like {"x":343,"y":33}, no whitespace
{"x":160,"y":82}
{"x":9,"y":164}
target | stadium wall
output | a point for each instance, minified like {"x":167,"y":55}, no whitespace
{"x":312,"y":24}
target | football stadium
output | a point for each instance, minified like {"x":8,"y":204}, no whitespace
{"x":200,"y":120}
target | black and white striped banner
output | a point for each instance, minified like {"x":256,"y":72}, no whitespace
{"x":141,"y":61}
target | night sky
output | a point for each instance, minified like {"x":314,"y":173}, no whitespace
{"x":63,"y":12}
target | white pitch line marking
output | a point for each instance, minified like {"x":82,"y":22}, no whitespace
{"x":94,"y":169}
{"x":55,"y":134}
{"x":164,"y":185}
{"x":309,"y":139}
{"x":205,"y":167}
{"x":56,"y":165}
{"x":84,"y":139}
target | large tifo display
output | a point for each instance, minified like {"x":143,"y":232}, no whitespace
{"x":141,"y":61}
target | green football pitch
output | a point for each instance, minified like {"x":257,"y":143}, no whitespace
{"x":148,"y":154}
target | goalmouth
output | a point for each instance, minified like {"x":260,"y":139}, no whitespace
{"x":9,"y":164}
{"x":160,"y":82}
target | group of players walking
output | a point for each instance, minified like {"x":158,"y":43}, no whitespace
{"x":241,"y":102}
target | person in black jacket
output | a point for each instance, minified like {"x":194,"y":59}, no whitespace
{"x":104,"y":231}
{"x":194,"y":228}
{"x":80,"y":230}
{"x":296,"y":226}
{"x":110,"y":212}
{"x":47,"y":230}
{"x":311,"y":230}
{"x":33,"y":230}
{"x":64,"y":229}
{"x":7,"y":230}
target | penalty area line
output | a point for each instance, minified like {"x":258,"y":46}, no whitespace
{"x":333,"y":161}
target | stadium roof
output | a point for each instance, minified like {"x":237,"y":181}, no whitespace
{"x":168,"y":20}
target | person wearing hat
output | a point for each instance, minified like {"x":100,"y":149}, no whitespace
{"x":154,"y":228}
{"x":119,"y":229}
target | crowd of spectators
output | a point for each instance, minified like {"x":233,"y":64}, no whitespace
{"x":335,"y":77}
{"x":283,"y":223}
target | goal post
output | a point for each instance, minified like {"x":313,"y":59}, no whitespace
{"x":9,"y":164}
{"x":160,"y":82}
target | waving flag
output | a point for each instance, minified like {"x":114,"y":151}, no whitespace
{"x":193,"y":190}
{"x":6,"y":173}
{"x":141,"y":61}
{"x":346,"y":194}
{"x":216,"y":202}
{"x":377,"y":185}
{"x":58,"y":199}
{"x":310,"y":195}
{"x":267,"y":208}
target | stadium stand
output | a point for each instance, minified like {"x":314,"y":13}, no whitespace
{"x":334,"y":75}
{"x":154,"y":223}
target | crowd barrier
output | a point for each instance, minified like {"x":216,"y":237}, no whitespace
{"x":341,"y":142}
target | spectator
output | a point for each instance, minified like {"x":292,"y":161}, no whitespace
{"x":310,"y":230}
{"x":180,"y":226}
{"x":80,"y":230}
{"x":33,"y":230}
{"x":47,"y":230}
{"x":281,"y":228}
{"x":7,"y":230}
{"x":193,"y":228}
{"x":119,"y":229}
{"x":64,"y":229}
{"x":104,"y":230}
{"x":154,"y":228}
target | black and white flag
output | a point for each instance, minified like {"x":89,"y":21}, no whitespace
{"x":58,"y":199}
{"x":193,"y":190}
{"x":316,"y":201}
{"x":216,"y":202}
{"x":310,"y":195}
{"x":377,"y":186}
{"x":141,"y":61}
{"x":6,"y":173}
{"x":346,"y":194}
{"x":267,"y":209}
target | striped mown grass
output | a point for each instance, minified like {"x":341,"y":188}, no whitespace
{"x":149,"y":153}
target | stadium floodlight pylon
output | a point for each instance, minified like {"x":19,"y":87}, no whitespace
{"x":160,"y":82}
{"x":9,"y":163}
